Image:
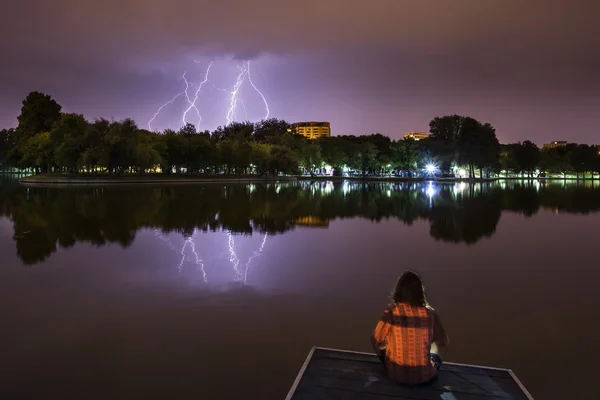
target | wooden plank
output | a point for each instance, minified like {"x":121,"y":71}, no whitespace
{"x":346,"y":355}
{"x":340,"y":374}
{"x":342,"y":351}
{"x":320,"y":393}
{"x":446,"y":381}
{"x":475,"y":370}
{"x":368,"y":367}
{"x":496,"y":386}
{"x":525,"y":391}
{"x":372,"y":358}
{"x":358,"y":369}
{"x":372,"y":389}
{"x":300,"y":374}
{"x":478,"y":366}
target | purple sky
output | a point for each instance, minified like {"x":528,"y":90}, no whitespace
{"x":530,"y":68}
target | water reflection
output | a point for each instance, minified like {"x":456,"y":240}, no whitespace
{"x":46,"y":218}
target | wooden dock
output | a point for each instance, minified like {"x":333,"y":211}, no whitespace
{"x":338,"y":374}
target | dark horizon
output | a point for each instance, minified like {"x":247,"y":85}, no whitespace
{"x":528,"y":69}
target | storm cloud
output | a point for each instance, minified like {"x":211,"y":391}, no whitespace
{"x":528,"y":67}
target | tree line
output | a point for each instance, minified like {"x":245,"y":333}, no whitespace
{"x":48,"y":140}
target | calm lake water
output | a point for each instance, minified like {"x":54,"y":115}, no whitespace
{"x":220,"y":290}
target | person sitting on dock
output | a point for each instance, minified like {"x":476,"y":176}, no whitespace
{"x":410,"y":335}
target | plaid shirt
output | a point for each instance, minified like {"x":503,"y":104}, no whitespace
{"x":406,"y":332}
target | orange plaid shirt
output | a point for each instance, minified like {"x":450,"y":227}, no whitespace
{"x":406,"y":332}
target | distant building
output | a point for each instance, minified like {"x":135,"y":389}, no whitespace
{"x":313,"y":222}
{"x":312,"y":130}
{"x":417,"y":135}
{"x":554,"y":145}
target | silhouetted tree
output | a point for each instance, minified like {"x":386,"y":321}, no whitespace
{"x":45,"y":218}
{"x":269,"y":128}
{"x":447,"y":128}
{"x":76,"y":145}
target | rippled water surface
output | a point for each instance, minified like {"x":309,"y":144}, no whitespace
{"x":219,"y":290}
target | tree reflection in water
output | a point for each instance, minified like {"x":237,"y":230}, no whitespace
{"x":45,"y":218}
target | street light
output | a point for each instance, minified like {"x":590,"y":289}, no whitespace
{"x":430,"y":169}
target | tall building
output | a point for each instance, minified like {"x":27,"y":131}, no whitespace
{"x":554,"y":144}
{"x":312,"y":130}
{"x":416,"y":135}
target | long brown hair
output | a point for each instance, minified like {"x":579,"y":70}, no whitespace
{"x":410,"y":289}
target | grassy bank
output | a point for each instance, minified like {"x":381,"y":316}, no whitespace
{"x":87,"y":179}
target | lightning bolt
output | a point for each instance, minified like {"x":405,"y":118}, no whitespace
{"x":244,"y":73}
{"x":170,"y":101}
{"x":185,"y":243}
{"x":234,"y":94}
{"x":233,"y":258}
{"x":254,"y":255}
{"x":220,"y":89}
{"x":189,"y":242}
{"x":192,"y":99}
{"x":258,"y":91}
{"x":193,"y":103}
{"x":231,"y":93}
{"x":241,"y":274}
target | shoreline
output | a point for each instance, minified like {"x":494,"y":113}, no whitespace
{"x":142,"y":179}
{"x":66,"y":179}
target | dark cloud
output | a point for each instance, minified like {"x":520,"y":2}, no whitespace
{"x":529,"y":67}
{"x":151,"y":27}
